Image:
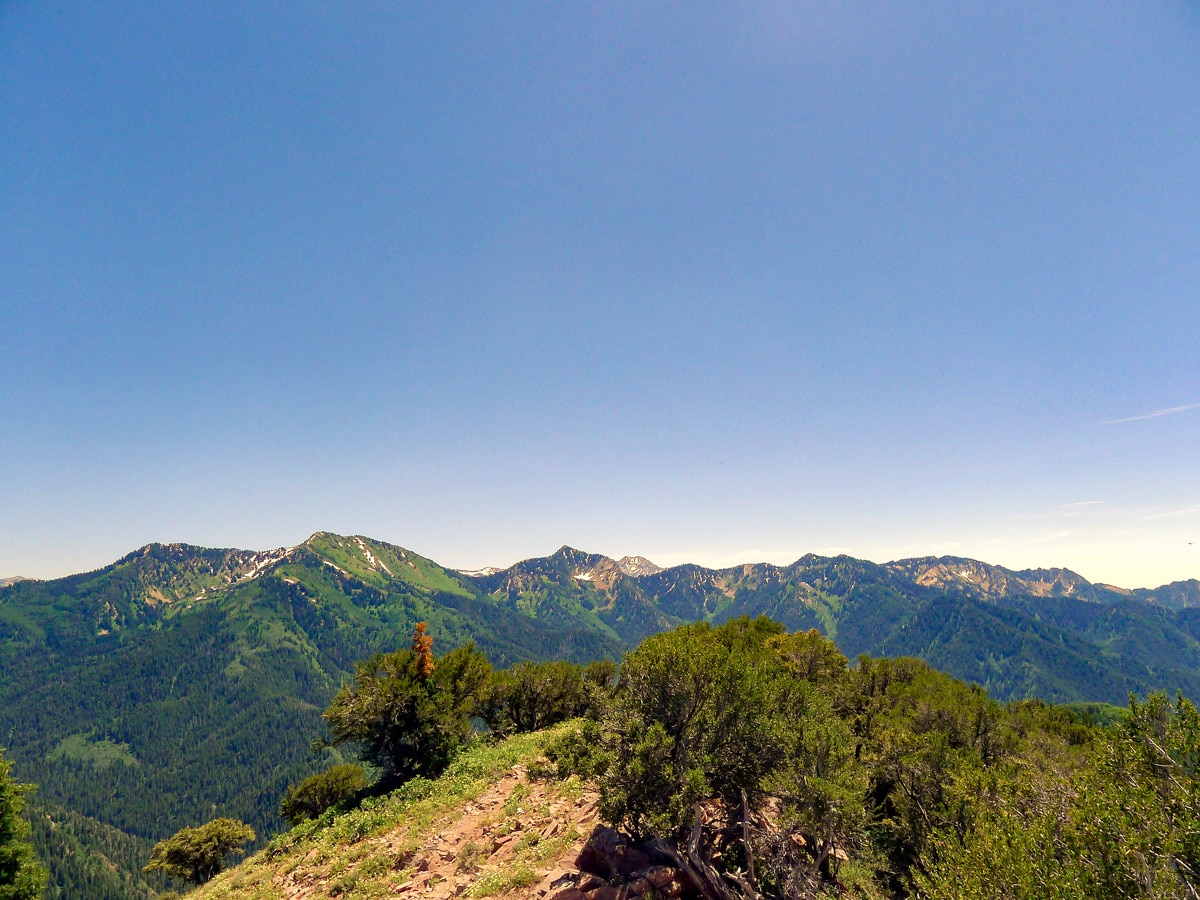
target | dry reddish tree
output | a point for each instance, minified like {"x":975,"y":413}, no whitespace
{"x":422,"y":645}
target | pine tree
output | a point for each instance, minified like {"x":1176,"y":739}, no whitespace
{"x":407,"y":717}
{"x":21,"y":877}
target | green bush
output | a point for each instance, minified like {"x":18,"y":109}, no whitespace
{"x":319,"y":792}
{"x":1124,"y":825}
{"x":799,"y":764}
{"x":532,"y":696}
{"x":197,"y":854}
{"x":580,"y":751}
{"x":599,"y":679}
{"x":405,"y":722}
{"x":699,"y":712}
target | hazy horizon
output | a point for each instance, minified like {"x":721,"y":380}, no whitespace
{"x":664,"y":560}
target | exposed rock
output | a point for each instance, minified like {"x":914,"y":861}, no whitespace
{"x":591,"y":881}
{"x":610,"y":892}
{"x":637,"y":566}
{"x":601,"y":847}
{"x":614,"y":869}
{"x":607,"y":854}
{"x":660,"y":876}
{"x":557,"y":879}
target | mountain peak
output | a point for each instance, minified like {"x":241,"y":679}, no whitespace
{"x":637,"y":566}
{"x":566,"y":551}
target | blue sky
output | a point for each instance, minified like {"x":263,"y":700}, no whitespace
{"x":708,"y":282}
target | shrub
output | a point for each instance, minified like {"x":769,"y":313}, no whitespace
{"x":406,"y":719}
{"x":699,"y":712}
{"x":319,"y":792}
{"x":579,"y":751}
{"x":725,"y":719}
{"x":1125,"y":824}
{"x":197,"y":854}
{"x":531,"y":696}
{"x":600,"y":677}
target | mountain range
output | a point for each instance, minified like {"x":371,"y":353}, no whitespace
{"x":181,"y":682}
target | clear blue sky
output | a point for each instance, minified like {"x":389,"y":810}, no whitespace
{"x":703,"y":281}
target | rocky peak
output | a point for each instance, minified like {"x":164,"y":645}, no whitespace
{"x":637,"y":566}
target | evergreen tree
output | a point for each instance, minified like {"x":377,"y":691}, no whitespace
{"x":407,"y":716}
{"x":198,"y":854}
{"x":21,"y":877}
{"x":531,"y":696}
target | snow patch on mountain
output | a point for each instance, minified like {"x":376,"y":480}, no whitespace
{"x":479,"y":573}
{"x":637,"y":566}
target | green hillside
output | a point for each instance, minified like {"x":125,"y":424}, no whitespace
{"x":87,"y":858}
{"x":182,"y":682}
{"x":743,"y":762}
{"x":1044,"y":633}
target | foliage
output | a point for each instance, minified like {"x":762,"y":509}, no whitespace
{"x":1104,"y":714}
{"x":1124,"y":825}
{"x":531,"y":696}
{"x":917,"y":731}
{"x":319,"y":792}
{"x":197,"y":854}
{"x":600,"y":675}
{"x":405,"y":722}
{"x":21,"y":876}
{"x":89,"y":860}
{"x":579,"y":750}
{"x":504,"y":881}
{"x":692,"y":718}
{"x":1165,"y":758}
{"x":422,"y":645}
{"x":763,"y":757}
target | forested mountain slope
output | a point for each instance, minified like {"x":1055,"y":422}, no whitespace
{"x":180,"y":681}
{"x":1047,"y":633}
{"x":183,"y":682}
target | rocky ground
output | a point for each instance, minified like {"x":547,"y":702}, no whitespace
{"x":498,"y":824}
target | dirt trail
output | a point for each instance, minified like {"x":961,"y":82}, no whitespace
{"x":513,"y":840}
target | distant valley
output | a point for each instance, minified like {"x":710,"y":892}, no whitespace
{"x":182,"y":682}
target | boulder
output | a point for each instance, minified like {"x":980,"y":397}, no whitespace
{"x":609,"y":892}
{"x":660,"y":876}
{"x":606,"y":853}
{"x":590,"y":881}
{"x":600,"y":847}
{"x":555,"y":880}
{"x":630,"y":861}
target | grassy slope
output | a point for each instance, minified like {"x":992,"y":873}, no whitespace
{"x":372,"y":851}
